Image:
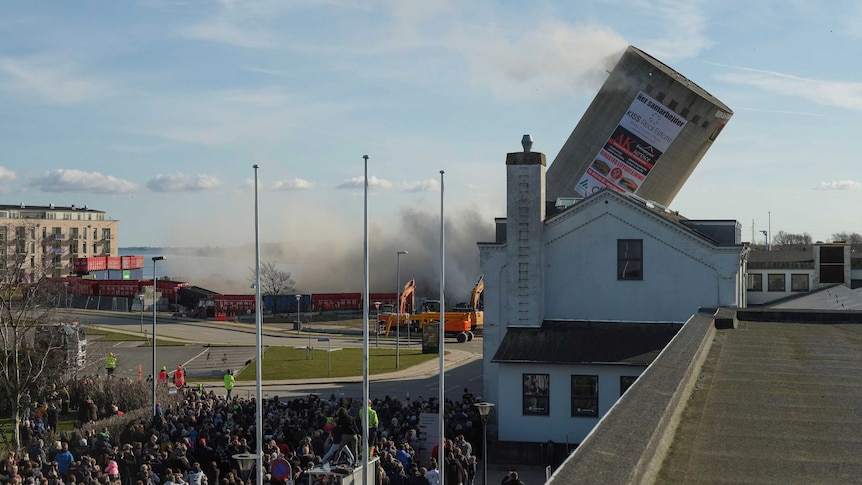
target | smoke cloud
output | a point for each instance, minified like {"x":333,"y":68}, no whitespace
{"x":336,"y":266}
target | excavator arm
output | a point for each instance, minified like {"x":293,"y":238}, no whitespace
{"x":407,"y":296}
{"x":477,"y":292}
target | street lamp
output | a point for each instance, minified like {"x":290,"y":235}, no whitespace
{"x":377,"y":324}
{"x":155,"y":260}
{"x":484,"y":411}
{"x":298,"y":321}
{"x":398,"y":308}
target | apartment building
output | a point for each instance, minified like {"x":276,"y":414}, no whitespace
{"x":50,"y":237}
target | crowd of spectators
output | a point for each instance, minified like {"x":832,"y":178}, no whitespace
{"x":192,"y":442}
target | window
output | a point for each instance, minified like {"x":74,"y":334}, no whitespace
{"x":831,"y":264}
{"x":536,"y":394}
{"x":585,"y":396}
{"x":776,"y":282}
{"x":626,"y":382}
{"x":630,"y":259}
{"x":754,"y":282}
{"x":799,"y":282}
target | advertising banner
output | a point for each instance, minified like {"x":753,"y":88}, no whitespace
{"x":642,"y":135}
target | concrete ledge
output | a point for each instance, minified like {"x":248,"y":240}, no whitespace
{"x":800,"y":316}
{"x":725,"y":318}
{"x":630,"y":442}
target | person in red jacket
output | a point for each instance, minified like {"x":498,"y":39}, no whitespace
{"x":163,"y":376}
{"x":179,"y":377}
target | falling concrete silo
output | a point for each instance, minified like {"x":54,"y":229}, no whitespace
{"x":645,"y":132}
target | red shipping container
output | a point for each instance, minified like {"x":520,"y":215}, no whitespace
{"x":336,"y":301}
{"x":118,"y":288}
{"x":114,"y":262}
{"x":86,"y":265}
{"x":132,"y":262}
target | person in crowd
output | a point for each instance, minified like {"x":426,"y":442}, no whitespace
{"x":228,"y":383}
{"x":110,"y":364}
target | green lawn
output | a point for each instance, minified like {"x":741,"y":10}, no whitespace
{"x":289,"y":363}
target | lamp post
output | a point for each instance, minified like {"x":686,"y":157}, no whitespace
{"x":377,"y":324}
{"x":398,"y":308}
{"x":142,"y":317}
{"x":484,"y":411}
{"x":298,"y":321}
{"x":155,"y":260}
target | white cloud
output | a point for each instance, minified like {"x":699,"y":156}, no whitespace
{"x":292,"y":184}
{"x":829,"y":93}
{"x":840,"y":185}
{"x":684,"y":36}
{"x":548,"y":60}
{"x":359,"y":182}
{"x":180,"y":182}
{"x":63,"y":180}
{"x":7,"y":175}
{"x":430,"y":185}
{"x":50,"y":81}
{"x":222,"y":31}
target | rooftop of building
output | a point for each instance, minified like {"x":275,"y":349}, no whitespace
{"x":578,"y":342}
{"x":50,"y":207}
{"x":773,"y":397}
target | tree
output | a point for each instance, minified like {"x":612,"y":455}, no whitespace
{"x":785,"y":240}
{"x":27,"y":365}
{"x":849,"y":237}
{"x":273,"y":281}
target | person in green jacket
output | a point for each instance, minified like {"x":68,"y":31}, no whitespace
{"x":228,"y":382}
{"x":110,"y":363}
{"x":373,"y":423}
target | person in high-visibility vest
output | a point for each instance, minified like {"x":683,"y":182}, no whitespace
{"x":373,"y":423}
{"x":179,"y":377}
{"x":163,"y":376}
{"x":228,"y":382}
{"x":110,"y":363}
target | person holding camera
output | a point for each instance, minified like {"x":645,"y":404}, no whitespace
{"x":511,"y":478}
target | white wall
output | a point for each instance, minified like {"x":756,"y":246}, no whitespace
{"x":681,"y":271}
{"x":766,"y":296}
{"x":559,"y":426}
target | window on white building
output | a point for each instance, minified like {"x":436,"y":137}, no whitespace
{"x":630,"y":259}
{"x":537,"y":392}
{"x":585,"y":396}
{"x":799,"y":282}
{"x":754,"y":282}
{"x":776,"y":282}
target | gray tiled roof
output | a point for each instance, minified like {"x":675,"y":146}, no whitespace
{"x":577,"y":342}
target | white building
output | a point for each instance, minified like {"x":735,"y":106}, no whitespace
{"x":786,"y":273}
{"x":550,"y":282}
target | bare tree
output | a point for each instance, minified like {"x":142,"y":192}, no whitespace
{"x":849,"y":237}
{"x":27,"y":363}
{"x":273,"y":281}
{"x":784,"y":240}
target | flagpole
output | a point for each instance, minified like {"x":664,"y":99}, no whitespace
{"x":258,"y":316}
{"x":440,"y":452}
{"x":365,"y":309}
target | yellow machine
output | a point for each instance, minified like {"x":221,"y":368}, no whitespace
{"x":461,"y":323}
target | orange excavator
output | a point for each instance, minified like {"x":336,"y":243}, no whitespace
{"x":462,"y":323}
{"x":405,"y":307}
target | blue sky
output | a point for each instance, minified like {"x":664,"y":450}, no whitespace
{"x":156,"y":110}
